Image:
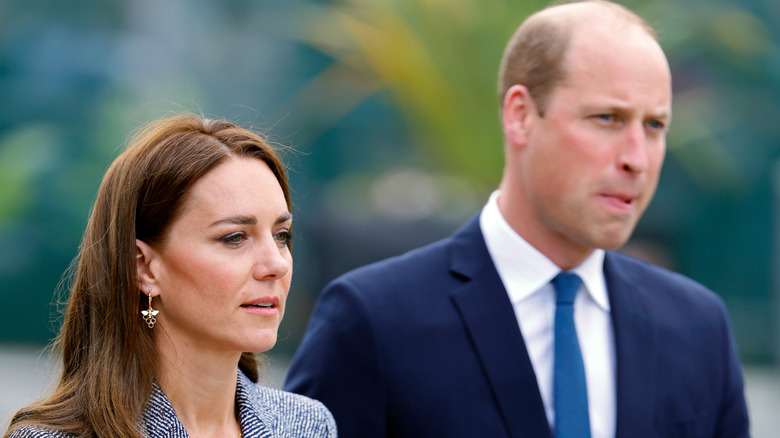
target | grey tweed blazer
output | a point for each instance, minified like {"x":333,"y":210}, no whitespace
{"x":264,"y":413}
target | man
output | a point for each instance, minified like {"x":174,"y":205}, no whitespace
{"x":474,"y":336}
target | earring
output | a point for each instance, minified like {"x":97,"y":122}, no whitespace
{"x":150,"y":313}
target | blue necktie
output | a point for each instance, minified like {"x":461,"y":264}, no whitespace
{"x":569,"y":388}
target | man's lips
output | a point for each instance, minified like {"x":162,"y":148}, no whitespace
{"x":619,"y":201}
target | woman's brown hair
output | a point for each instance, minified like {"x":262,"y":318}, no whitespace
{"x":108,"y":353}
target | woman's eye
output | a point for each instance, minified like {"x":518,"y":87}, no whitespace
{"x":283,"y":237}
{"x":605,"y":117}
{"x":233,"y":239}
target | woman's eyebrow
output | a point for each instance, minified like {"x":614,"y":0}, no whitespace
{"x":236,"y":220}
{"x":284,"y":218}
{"x":249,"y":220}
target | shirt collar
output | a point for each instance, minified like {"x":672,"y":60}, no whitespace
{"x":523,"y":269}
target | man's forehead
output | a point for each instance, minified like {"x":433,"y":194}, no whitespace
{"x":596,"y":47}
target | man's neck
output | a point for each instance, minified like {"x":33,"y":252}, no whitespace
{"x":558,"y":248}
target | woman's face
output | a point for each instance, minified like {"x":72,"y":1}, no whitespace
{"x":224,"y":271}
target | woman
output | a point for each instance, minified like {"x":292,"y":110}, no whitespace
{"x":184,"y":267}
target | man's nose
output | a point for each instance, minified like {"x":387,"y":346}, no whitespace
{"x":633,"y":155}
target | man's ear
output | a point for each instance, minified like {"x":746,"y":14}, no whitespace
{"x":517,"y":116}
{"x":144,"y":256}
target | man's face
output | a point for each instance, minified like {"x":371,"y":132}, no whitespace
{"x":591,"y":164}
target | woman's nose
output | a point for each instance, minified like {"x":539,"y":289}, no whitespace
{"x":272,"y":261}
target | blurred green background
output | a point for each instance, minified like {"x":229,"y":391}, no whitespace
{"x":388,"y":112}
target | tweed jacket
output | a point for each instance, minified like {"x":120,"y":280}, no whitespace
{"x":264,"y":413}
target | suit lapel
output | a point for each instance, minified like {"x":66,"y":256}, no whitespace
{"x":487,"y":313}
{"x":634,"y":346}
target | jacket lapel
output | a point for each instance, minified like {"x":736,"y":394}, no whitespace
{"x":634,"y":346}
{"x":158,"y":419}
{"x":255,"y":418}
{"x":489,"y":318}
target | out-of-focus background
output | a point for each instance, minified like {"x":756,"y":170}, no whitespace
{"x":388,"y":112}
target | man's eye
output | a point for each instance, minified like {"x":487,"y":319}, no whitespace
{"x":606,"y":117}
{"x":233,"y":238}
{"x":655,"y":124}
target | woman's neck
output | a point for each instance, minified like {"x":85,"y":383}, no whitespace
{"x":201,"y":388}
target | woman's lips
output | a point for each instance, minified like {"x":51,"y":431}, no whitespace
{"x":265,"y":306}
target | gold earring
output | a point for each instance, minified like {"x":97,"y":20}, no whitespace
{"x":150,"y":313}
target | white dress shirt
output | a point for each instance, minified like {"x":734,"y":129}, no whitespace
{"x":526,"y":274}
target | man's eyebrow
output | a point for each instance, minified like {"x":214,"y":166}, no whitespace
{"x":609,"y":107}
{"x":236,"y":220}
{"x":663,"y":115}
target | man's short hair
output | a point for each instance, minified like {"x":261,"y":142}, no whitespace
{"x":534,"y":56}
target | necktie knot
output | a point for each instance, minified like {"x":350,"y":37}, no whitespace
{"x":566,"y":286}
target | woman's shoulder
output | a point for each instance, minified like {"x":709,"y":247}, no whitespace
{"x":289,"y":401}
{"x":37,"y":432}
{"x":292,"y":413}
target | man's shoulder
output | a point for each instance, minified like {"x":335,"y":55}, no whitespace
{"x":425,"y":262}
{"x":660,"y":287}
{"x":641,"y":270}
{"x":430,"y":254}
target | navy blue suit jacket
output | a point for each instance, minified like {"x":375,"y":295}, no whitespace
{"x":427,"y":345}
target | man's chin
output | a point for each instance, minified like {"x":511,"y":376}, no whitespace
{"x":612,"y":240}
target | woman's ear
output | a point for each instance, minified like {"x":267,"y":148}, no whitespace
{"x":517,"y":115}
{"x":144,"y":256}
